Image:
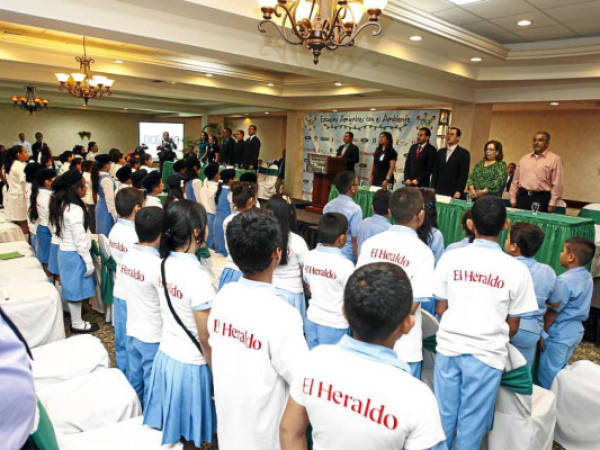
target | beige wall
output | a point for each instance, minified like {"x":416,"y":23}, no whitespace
{"x":575,"y":137}
{"x":271,"y":131}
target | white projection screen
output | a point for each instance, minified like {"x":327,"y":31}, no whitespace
{"x":151,"y":134}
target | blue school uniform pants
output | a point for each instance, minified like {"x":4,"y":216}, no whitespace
{"x":415,"y":369}
{"x":140,"y":356}
{"x":321,"y":334}
{"x":555,"y":357}
{"x":429,"y":306}
{"x":120,"y":319}
{"x":526,"y":342}
{"x":465,"y":389}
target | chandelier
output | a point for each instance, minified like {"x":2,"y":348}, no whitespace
{"x":321,"y":24}
{"x":83,"y":84}
{"x":30,"y":101}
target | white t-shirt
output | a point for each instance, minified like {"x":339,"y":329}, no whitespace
{"x":289,"y":276}
{"x":400,"y":245}
{"x":326,"y":271}
{"x":256,"y":342}
{"x":121,"y":238}
{"x":229,"y":264}
{"x":43,"y":205}
{"x":483,"y":285}
{"x":151,"y":200}
{"x":190,"y":289}
{"x":207,"y":196}
{"x":358,"y":402}
{"x":139,"y":272}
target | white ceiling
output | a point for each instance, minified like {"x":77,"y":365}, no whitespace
{"x":497,"y":19}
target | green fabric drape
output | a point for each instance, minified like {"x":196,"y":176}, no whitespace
{"x":430,"y":343}
{"x":557,"y":228}
{"x":44,"y":437}
{"x":590,"y":214}
{"x":167,"y":171}
{"x":203,"y":253}
{"x":107,"y":269}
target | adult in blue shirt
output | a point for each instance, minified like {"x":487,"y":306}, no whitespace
{"x":347,"y":185}
{"x":378,"y":222}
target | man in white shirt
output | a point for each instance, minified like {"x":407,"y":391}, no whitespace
{"x":256,"y":339}
{"x":400,"y":245}
{"x":24,"y":143}
{"x":358,"y":394}
{"x":480,"y":292}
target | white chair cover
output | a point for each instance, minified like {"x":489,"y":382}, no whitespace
{"x":522,"y":422}
{"x":91,"y":401}
{"x":577,"y":389}
{"x":126,"y":435}
{"x":9,"y":232}
{"x":96,"y":301}
{"x":18,"y":246}
{"x":68,"y":359}
{"x":267,"y":184}
{"x":429,"y":326}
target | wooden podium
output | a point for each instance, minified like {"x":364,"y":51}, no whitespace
{"x":324,"y":169}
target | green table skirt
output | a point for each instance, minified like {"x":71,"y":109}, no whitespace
{"x":557,"y":228}
{"x":168,"y":171}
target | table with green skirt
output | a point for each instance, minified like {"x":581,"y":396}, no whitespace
{"x":556,"y":227}
{"x":168,"y":171}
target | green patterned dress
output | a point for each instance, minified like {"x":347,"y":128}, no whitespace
{"x":492,"y":177}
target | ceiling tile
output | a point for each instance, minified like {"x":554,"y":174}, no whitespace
{"x":457,"y":16}
{"x":544,"y":4}
{"x":429,"y":6}
{"x":537,"y":18}
{"x":586,"y":27}
{"x":494,"y":32}
{"x":492,"y":9}
{"x":577,"y":12}
{"x":546,"y":33}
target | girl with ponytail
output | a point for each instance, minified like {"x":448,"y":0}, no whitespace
{"x":223,"y":204}
{"x":39,"y":211}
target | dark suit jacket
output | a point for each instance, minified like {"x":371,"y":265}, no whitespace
{"x":450,"y":177}
{"x":420,"y":169}
{"x":509,"y":183}
{"x":251,"y":152}
{"x":239,"y":148}
{"x":352,"y":155}
{"x":227,"y":150}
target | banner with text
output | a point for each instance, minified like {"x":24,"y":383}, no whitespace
{"x":324,"y":133}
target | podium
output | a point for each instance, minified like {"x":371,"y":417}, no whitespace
{"x":324,"y":169}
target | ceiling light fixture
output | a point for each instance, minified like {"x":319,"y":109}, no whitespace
{"x":464,"y":2}
{"x":271,"y":84}
{"x":372,"y":109}
{"x":30,"y":101}
{"x":321,"y":24}
{"x":524,"y":23}
{"x":476,"y":59}
{"x":554,"y":103}
{"x":209,"y":75}
{"x":83,"y":84}
{"x":334,"y":110}
{"x":118,"y":61}
{"x":267,"y":113}
{"x":416,"y":38}
{"x":337,"y":84}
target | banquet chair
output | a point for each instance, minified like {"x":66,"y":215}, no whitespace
{"x":267,"y":180}
{"x":67,"y":359}
{"x":578,"y":403}
{"x":104,"y":247}
{"x":521,"y":421}
{"x":430,"y":326}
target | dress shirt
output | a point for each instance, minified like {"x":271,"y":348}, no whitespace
{"x":543,"y":172}
{"x":449,"y":150}
{"x":25,"y":144}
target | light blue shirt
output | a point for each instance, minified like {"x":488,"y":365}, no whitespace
{"x":373,"y":352}
{"x":329,"y":249}
{"x":344,"y":204}
{"x":370,"y":227}
{"x":127,"y":223}
{"x":544,"y":279}
{"x":435,"y":241}
{"x":573,"y":290}
{"x":460,"y":244}
{"x":257,"y":285}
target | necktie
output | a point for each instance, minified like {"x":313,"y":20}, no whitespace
{"x":419,"y":151}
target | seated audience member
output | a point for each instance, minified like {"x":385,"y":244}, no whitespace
{"x":267,"y":342}
{"x":347,"y":185}
{"x":379,"y":221}
{"x":365,"y":369}
{"x":154,"y":186}
{"x":569,"y":306}
{"x":523,"y":242}
{"x":326,"y":271}
{"x":480,"y":292}
{"x":469,"y":236}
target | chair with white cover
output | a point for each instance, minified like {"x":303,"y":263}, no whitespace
{"x":125,"y":435}
{"x":429,"y":326}
{"x":577,"y":391}
{"x":68,"y":359}
{"x":95,"y":400}
{"x":522,"y":422}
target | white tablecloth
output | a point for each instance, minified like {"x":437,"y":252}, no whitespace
{"x":18,"y":266}
{"x":26,"y":276}
{"x":17,"y":246}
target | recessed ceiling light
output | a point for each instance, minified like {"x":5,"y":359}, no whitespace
{"x":524,"y":23}
{"x":125,"y":108}
{"x":463,"y":2}
{"x":267,"y":113}
{"x":209,"y":75}
{"x":416,"y":38}
{"x":118,"y":61}
{"x":173,"y":82}
{"x":475,"y":59}
{"x":554,"y":103}
{"x":372,"y":109}
{"x":334,"y":110}
{"x":271,"y":84}
{"x":337,"y":84}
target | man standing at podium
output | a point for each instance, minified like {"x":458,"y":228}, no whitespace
{"x":349,"y":152}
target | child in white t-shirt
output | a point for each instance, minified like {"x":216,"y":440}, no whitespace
{"x":326,"y":271}
{"x":358,"y":394}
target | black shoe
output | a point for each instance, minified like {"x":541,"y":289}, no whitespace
{"x":90,"y":328}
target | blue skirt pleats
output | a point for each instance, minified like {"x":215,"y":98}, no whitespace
{"x":53,"y":259}
{"x":75,"y":286}
{"x":219,"y":235}
{"x":229,"y":276}
{"x":44,"y":238}
{"x":296,"y":300}
{"x":179,"y":401}
{"x":104,"y":221}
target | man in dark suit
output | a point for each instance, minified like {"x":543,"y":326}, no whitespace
{"x":239,"y":148}
{"x":227,"y":147}
{"x":418,"y":166}
{"x":349,"y":152}
{"x":252,"y":149}
{"x":451,"y":168}
{"x":511,"y":174}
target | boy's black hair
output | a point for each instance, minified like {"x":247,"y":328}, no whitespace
{"x":181,"y":219}
{"x":124,"y":174}
{"x":582,"y":248}
{"x":64,"y":156}
{"x":137,"y":179}
{"x":489,"y":215}
{"x":151,"y":180}
{"x":252,"y":237}
{"x":250,"y":177}
{"x":149,"y":223}
{"x":381,"y":202}
{"x":377,"y":298}
{"x":528,"y":237}
{"x":468,"y":214}
{"x":178,"y":166}
{"x":331,"y":226}
{"x":405,"y":203}
{"x":77,"y":160}
{"x":211,"y":170}
{"x":126,"y":199}
{"x":344,"y":181}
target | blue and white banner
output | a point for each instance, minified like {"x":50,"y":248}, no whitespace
{"x":324,"y":133}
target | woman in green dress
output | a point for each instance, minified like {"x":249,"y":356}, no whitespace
{"x":489,"y":176}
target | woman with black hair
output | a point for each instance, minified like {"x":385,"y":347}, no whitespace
{"x":31,"y":169}
{"x":39,"y":211}
{"x":287,"y":277}
{"x":213,"y":150}
{"x":117,"y":160}
{"x":384,"y":162}
{"x":16,"y":201}
{"x":179,"y":400}
{"x":224,"y":206}
{"x":176,"y":184}
{"x":68,"y":214}
{"x":106,"y":211}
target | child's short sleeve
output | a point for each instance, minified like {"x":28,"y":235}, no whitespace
{"x":522,"y":295}
{"x":203,"y":293}
{"x":440,"y":277}
{"x":354,"y":222}
{"x":421,"y":281}
{"x":560,"y":295}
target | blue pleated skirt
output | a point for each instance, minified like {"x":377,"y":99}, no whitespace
{"x":296,"y":300}
{"x":53,"y":259}
{"x":75,"y":286}
{"x":229,"y":276}
{"x":104,"y":221}
{"x":179,"y":401}
{"x":44,"y":238}
{"x":219,"y":235}
{"x":211,"y":230}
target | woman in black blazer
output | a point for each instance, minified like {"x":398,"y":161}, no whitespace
{"x":384,"y":162}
